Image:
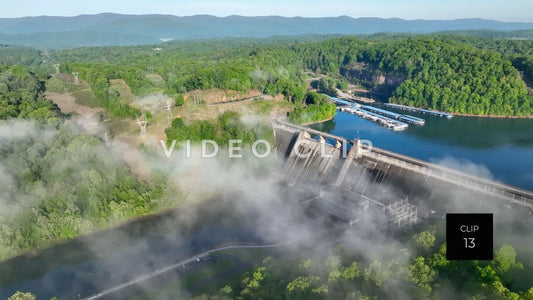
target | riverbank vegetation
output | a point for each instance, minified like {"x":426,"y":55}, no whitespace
{"x":228,"y":126}
{"x":56,"y":181}
{"x":316,"y":108}
{"x":419,"y":271}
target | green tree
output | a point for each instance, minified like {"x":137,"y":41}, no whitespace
{"x":22,"y":296}
{"x":148,"y":116}
{"x":351,"y":272}
{"x":424,"y":239}
{"x":505,"y":259}
{"x":421,"y":274}
{"x":180,"y":100}
{"x":226,"y":290}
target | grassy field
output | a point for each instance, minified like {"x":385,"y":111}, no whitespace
{"x":157,"y":80}
{"x":64,"y":83}
{"x":124,"y":91}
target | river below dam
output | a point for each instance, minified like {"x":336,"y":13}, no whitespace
{"x":85,"y":266}
{"x":501,"y":149}
{"x":495,"y":148}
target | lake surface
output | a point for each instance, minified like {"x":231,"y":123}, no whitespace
{"x":501,"y":149}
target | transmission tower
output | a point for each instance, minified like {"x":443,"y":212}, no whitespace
{"x":56,"y":66}
{"x":106,"y":138}
{"x":142,"y":124}
{"x":76,"y":78}
{"x":169,"y":112}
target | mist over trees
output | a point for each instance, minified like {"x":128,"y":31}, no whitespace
{"x":418,"y":271}
{"x":228,"y":126}
{"x":57,"y":182}
{"x":450,"y":73}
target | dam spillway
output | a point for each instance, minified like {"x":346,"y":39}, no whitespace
{"x":340,"y":166}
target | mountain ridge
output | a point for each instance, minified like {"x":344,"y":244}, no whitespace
{"x":144,"y":29}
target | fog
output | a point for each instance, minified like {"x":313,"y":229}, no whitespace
{"x":224,"y":200}
{"x":464,"y":166}
{"x":154,"y":102}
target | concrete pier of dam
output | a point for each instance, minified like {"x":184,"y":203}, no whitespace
{"x":333,"y":165}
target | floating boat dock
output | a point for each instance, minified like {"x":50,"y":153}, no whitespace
{"x":393,"y":115}
{"x":380,"y":119}
{"x":412,"y":120}
{"x":340,"y":101}
{"x":420,"y":110}
{"x":383,"y":117}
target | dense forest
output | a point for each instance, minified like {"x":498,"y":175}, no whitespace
{"x":459,"y":79}
{"x":58,"y":182}
{"x":20,"y":96}
{"x":317,"y":108}
{"x":228,"y":126}
{"x":423,"y":272}
{"x":452,"y":73}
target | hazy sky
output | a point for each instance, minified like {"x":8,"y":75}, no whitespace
{"x":510,"y":10}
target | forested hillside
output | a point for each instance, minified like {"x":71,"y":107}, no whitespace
{"x":57,"y":182}
{"x":20,"y":96}
{"x":10,"y":55}
{"x":449,"y":73}
{"x":456,"y":78}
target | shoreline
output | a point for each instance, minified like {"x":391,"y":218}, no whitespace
{"x":345,"y":96}
{"x":317,"y":122}
{"x":492,"y":116}
{"x":470,"y":115}
{"x":162,"y":213}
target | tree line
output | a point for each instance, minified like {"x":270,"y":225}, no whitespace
{"x":57,"y":182}
{"x":419,"y":271}
{"x":451,"y":73}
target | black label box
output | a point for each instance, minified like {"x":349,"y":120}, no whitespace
{"x":469,"y":237}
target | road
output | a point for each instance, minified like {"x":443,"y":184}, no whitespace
{"x":343,"y":95}
{"x":259,"y":97}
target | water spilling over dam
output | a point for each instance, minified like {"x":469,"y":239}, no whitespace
{"x":349,"y":179}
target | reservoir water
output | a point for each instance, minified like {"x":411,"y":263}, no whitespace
{"x":500,"y":149}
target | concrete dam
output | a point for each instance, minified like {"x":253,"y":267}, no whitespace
{"x":349,"y":179}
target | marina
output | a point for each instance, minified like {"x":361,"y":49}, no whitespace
{"x":404,"y":118}
{"x":380,"y":119}
{"x":383,"y":117}
{"x":412,"y":120}
{"x":340,"y":101}
{"x":419,"y":110}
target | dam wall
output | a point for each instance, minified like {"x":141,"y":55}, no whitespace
{"x":333,"y":160}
